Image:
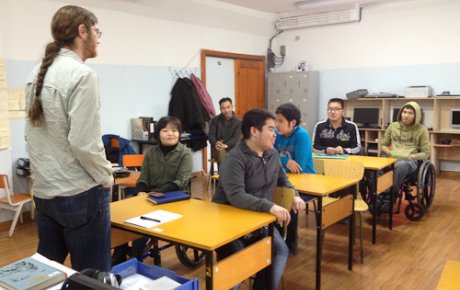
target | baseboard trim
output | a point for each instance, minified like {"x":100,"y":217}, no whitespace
{"x":5,"y":225}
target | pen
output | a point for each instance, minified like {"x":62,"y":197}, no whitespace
{"x":150,"y":219}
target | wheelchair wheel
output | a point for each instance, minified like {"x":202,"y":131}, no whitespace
{"x":426,"y":185}
{"x":414,"y":212}
{"x":189,"y":257}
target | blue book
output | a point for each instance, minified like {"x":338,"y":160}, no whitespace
{"x":160,"y":198}
{"x":29,"y":274}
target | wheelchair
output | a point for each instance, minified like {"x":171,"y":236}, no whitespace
{"x":418,"y":188}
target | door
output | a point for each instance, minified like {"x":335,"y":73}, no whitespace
{"x":249,"y":85}
{"x":249,"y":82}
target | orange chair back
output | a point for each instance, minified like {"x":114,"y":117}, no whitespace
{"x":133,"y":160}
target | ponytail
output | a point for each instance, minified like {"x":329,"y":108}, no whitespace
{"x":35,"y":113}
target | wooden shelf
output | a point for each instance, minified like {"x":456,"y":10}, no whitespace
{"x":436,"y":116}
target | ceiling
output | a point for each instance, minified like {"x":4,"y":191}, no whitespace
{"x":284,"y":6}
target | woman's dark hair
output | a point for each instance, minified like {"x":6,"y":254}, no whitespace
{"x":163,"y":122}
{"x":64,"y":28}
{"x":290,"y":112}
{"x":254,"y":118}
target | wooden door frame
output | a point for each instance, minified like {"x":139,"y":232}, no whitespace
{"x":222,"y":54}
{"x":214,"y":53}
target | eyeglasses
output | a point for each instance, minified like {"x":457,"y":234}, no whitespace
{"x":98,"y":32}
{"x":333,"y":110}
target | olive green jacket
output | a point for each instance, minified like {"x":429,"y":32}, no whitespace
{"x":406,"y":141}
{"x":175,"y":167}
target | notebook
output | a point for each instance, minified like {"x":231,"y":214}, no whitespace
{"x":327,"y":156}
{"x":169,"y":197}
{"x":29,"y":274}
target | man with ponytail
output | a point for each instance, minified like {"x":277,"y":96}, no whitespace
{"x":71,"y":177}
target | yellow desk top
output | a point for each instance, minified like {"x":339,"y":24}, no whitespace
{"x":204,"y":224}
{"x":450,"y":278}
{"x":372,"y":162}
{"x":319,"y":185}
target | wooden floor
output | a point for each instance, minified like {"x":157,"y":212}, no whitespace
{"x":411,"y":256}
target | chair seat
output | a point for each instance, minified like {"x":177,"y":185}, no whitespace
{"x":17,"y":198}
{"x":361,"y":205}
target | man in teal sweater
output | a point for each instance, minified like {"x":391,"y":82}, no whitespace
{"x":408,"y":141}
{"x":293,"y":144}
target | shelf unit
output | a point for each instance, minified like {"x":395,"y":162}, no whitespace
{"x":436,"y":117}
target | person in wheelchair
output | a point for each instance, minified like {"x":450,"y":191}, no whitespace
{"x":167,"y":167}
{"x":408,"y":141}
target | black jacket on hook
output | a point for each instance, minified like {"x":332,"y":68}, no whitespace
{"x":185,"y":105}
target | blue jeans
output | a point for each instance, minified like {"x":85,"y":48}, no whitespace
{"x":279,"y":261}
{"x":79,"y":225}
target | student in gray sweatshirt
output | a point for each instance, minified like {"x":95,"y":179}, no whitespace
{"x":248,"y":177}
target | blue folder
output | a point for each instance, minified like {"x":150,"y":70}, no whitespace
{"x":169,"y":197}
{"x":327,"y":156}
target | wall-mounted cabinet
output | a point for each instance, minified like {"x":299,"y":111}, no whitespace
{"x":299,"y":88}
{"x":445,"y":139}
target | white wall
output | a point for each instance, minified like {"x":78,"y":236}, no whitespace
{"x":395,"y":45}
{"x":140,"y":45}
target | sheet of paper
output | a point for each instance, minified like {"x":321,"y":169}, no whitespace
{"x":138,"y":281}
{"x":16,"y":99}
{"x":4,"y":121}
{"x":162,"y":283}
{"x":161,"y":216}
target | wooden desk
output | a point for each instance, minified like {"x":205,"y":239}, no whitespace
{"x":450,"y":277}
{"x":320,"y":186}
{"x":378,"y":184}
{"x":133,"y":177}
{"x":205,"y":226}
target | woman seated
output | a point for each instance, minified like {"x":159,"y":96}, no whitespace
{"x":167,"y":167}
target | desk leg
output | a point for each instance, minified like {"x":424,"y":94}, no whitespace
{"x":373,"y":181}
{"x":156,"y":253}
{"x":319,"y":244}
{"x":141,"y":147}
{"x":351,"y":234}
{"x":390,"y":208}
{"x":209,"y":266}
{"x":271,"y":269}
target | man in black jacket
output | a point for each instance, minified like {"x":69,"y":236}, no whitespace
{"x":224,"y":131}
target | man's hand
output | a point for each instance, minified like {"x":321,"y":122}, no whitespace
{"x":293,"y":166}
{"x":298,"y":204}
{"x":338,"y":150}
{"x":220,"y":146}
{"x":333,"y":151}
{"x":386,"y":151}
{"x":282,"y":214}
{"x":330,"y":151}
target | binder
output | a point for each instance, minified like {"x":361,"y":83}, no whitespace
{"x":169,"y":197}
